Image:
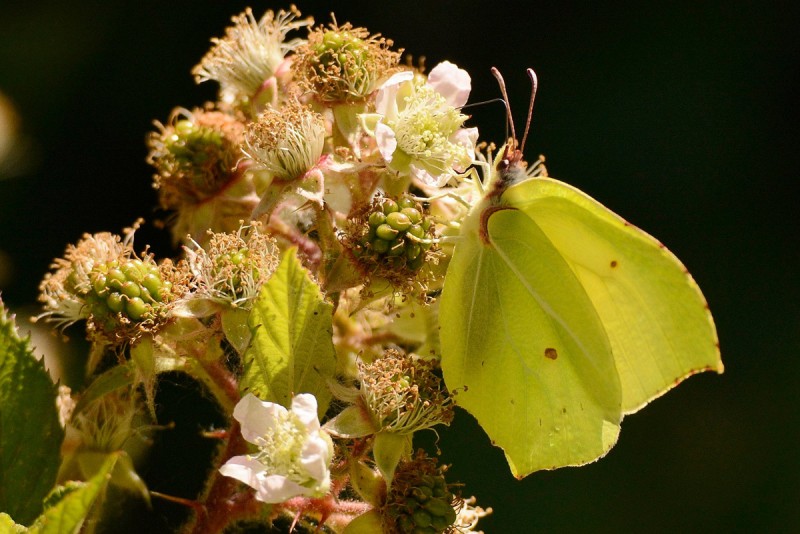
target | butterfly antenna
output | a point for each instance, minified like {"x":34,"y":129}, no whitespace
{"x":534,"y":85}
{"x":503,"y":91}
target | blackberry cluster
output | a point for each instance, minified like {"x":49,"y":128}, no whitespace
{"x":192,"y":147}
{"x":427,"y":508}
{"x":398,"y":234}
{"x":132,"y":288}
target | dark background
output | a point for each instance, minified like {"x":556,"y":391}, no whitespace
{"x":680,"y":117}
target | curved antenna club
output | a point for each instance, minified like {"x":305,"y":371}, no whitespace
{"x":503,"y":91}
{"x":534,"y":85}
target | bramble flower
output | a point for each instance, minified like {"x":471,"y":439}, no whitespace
{"x":195,"y":156}
{"x":251,"y":53}
{"x":230,"y":269}
{"x":398,"y":394}
{"x":103,"y":281}
{"x":294,"y":453}
{"x":418,"y":127}
{"x":403,"y":394}
{"x":392,"y":239}
{"x":287,"y":142}
{"x":343,"y":63}
{"x":199,"y":174}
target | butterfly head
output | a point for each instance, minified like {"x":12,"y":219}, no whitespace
{"x":509,"y":166}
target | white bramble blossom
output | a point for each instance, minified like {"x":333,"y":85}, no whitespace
{"x":251,"y":52}
{"x":294,"y":453}
{"x":419,"y":129}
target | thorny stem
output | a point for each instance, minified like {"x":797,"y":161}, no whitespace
{"x":224,"y":502}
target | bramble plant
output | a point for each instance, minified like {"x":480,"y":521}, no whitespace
{"x":355,"y":265}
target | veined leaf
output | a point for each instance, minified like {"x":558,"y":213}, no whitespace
{"x":70,"y":505}
{"x":291,"y":350}
{"x":30,"y":434}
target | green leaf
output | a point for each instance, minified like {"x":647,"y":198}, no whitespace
{"x":8,"y":526}
{"x":291,"y":350}
{"x":70,"y":505}
{"x":558,"y":318}
{"x":30,"y":434}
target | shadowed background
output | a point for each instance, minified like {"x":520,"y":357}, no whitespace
{"x":682,"y":119}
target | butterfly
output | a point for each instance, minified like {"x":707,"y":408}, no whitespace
{"x":558,"y":317}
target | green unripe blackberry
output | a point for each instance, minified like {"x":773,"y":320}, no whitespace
{"x":133,"y":288}
{"x":389,"y":206}
{"x":343,"y":63}
{"x":194,"y":156}
{"x":398,"y":220}
{"x":420,"y":500}
{"x":376,"y":218}
{"x":397,"y":235}
{"x":234,"y":266}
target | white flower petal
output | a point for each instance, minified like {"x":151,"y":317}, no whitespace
{"x":257,"y":417}
{"x":386,"y":140}
{"x":243,"y":469}
{"x":304,"y":406}
{"x":292,"y":472}
{"x":468,"y":138}
{"x":278,"y":488}
{"x":386,"y":98}
{"x":316,"y":456}
{"x":452,"y":82}
{"x":424,"y":176}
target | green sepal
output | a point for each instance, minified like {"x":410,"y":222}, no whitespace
{"x":388,"y":449}
{"x":235,"y":328}
{"x":292,"y":348}
{"x":352,"y":422}
{"x":118,"y":377}
{"x":366,"y":523}
{"x":143,"y":356}
{"x":418,"y":324}
{"x":369,"y":484}
{"x":30,"y":433}
{"x":348,"y":123}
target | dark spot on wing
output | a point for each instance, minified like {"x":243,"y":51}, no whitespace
{"x":613,"y":263}
{"x":512,"y":401}
{"x":564,"y":410}
{"x":550,"y":353}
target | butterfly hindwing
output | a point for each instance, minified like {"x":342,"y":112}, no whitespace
{"x":520,"y":336}
{"x":655,"y":316}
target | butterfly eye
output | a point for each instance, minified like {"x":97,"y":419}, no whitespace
{"x":503,"y":164}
